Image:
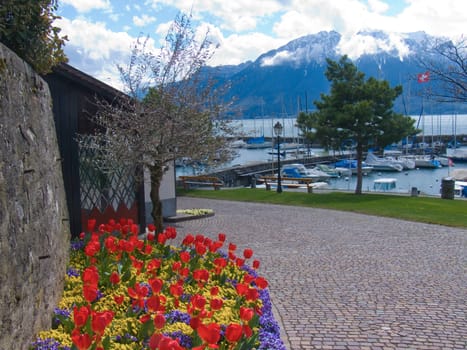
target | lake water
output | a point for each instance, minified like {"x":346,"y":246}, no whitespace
{"x":427,"y":181}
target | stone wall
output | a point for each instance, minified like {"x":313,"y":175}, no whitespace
{"x":34,"y":233}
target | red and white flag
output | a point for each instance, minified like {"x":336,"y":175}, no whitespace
{"x":450,"y":162}
{"x":423,"y":77}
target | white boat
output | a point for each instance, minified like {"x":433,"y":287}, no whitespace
{"x":459,"y":155}
{"x":384,"y":184}
{"x":348,"y":167}
{"x":382,"y":164}
{"x":427,"y":161}
{"x":300,"y":171}
{"x":332,"y":172}
{"x":396,"y":156}
{"x":238,"y":144}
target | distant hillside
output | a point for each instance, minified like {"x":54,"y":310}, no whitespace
{"x":288,"y":79}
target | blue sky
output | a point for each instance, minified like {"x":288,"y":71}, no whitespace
{"x":101,"y":32}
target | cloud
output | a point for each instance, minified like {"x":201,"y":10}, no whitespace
{"x":143,"y":20}
{"x":245,"y":29}
{"x":235,"y":16}
{"x":235,"y":49}
{"x":440,"y":18}
{"x":378,"y":6}
{"x":96,"y":49}
{"x":83,"y":6}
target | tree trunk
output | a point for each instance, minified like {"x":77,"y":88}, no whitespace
{"x":156,"y":173}
{"x":358,"y":188}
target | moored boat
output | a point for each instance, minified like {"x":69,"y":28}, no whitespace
{"x":349,"y":166}
{"x":384,"y":184}
{"x":381,"y":164}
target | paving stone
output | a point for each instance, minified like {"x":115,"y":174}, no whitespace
{"x":344,"y":280}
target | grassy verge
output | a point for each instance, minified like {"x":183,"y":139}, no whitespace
{"x":421,"y":209}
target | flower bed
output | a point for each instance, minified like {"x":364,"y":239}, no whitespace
{"x":122,"y":292}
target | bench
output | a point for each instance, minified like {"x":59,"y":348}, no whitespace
{"x":288,"y":182}
{"x":201,"y":181}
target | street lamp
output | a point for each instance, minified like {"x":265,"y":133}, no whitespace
{"x":278,"y":132}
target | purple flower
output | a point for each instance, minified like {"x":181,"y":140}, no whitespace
{"x":177,"y":316}
{"x":72,"y":272}
{"x":183,"y":339}
{"x":48,"y":344}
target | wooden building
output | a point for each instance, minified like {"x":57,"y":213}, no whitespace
{"x":91,"y":193}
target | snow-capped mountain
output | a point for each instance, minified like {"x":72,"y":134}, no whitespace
{"x":288,"y":79}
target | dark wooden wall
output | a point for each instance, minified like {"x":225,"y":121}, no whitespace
{"x":74,"y":94}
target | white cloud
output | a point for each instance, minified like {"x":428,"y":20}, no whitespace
{"x":280,"y":57}
{"x":143,"y":20}
{"x":378,"y":6}
{"x":246,"y":29}
{"x":236,"y":49}
{"x":238,"y":16}
{"x":83,"y":6}
{"x":97,"y":48}
{"x":441,"y":18}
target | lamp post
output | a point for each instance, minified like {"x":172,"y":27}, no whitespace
{"x":278,"y":132}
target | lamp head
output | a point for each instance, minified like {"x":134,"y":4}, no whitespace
{"x":278,"y":129}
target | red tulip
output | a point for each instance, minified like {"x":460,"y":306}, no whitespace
{"x":119,"y":299}
{"x":156,"y":285}
{"x":247,"y":330}
{"x":114,"y":277}
{"x":261,"y":282}
{"x":145,"y":318}
{"x":252,"y":294}
{"x":246,"y":314}
{"x":154,"y":303}
{"x":90,"y":293}
{"x":256,"y":264}
{"x":161,"y":238}
{"x":80,"y":315}
{"x":239,"y":262}
{"x":81,"y":341}
{"x":171,"y":232}
{"x":176,"y":290}
{"x":91,"y":225}
{"x":241,"y":288}
{"x":188,"y":240}
{"x":248,"y":278}
{"x":159,"y":321}
{"x":233,"y":332}
{"x":161,"y":342}
{"x":198,"y":301}
{"x":185,"y":256}
{"x":100,"y":320}
{"x":209,"y":333}
{"x":248,"y":253}
{"x":92,"y":248}
{"x":222,"y":237}
{"x":201,"y":275}
{"x":200,"y":248}
{"x":216,"y":304}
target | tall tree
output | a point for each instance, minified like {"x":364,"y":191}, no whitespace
{"x":358,"y":111}
{"x":26,"y":27}
{"x":446,"y":63}
{"x":169,"y":114}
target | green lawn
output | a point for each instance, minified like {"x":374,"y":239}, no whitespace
{"x":422,"y":209}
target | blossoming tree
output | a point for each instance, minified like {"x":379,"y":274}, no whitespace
{"x":172,"y":110}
